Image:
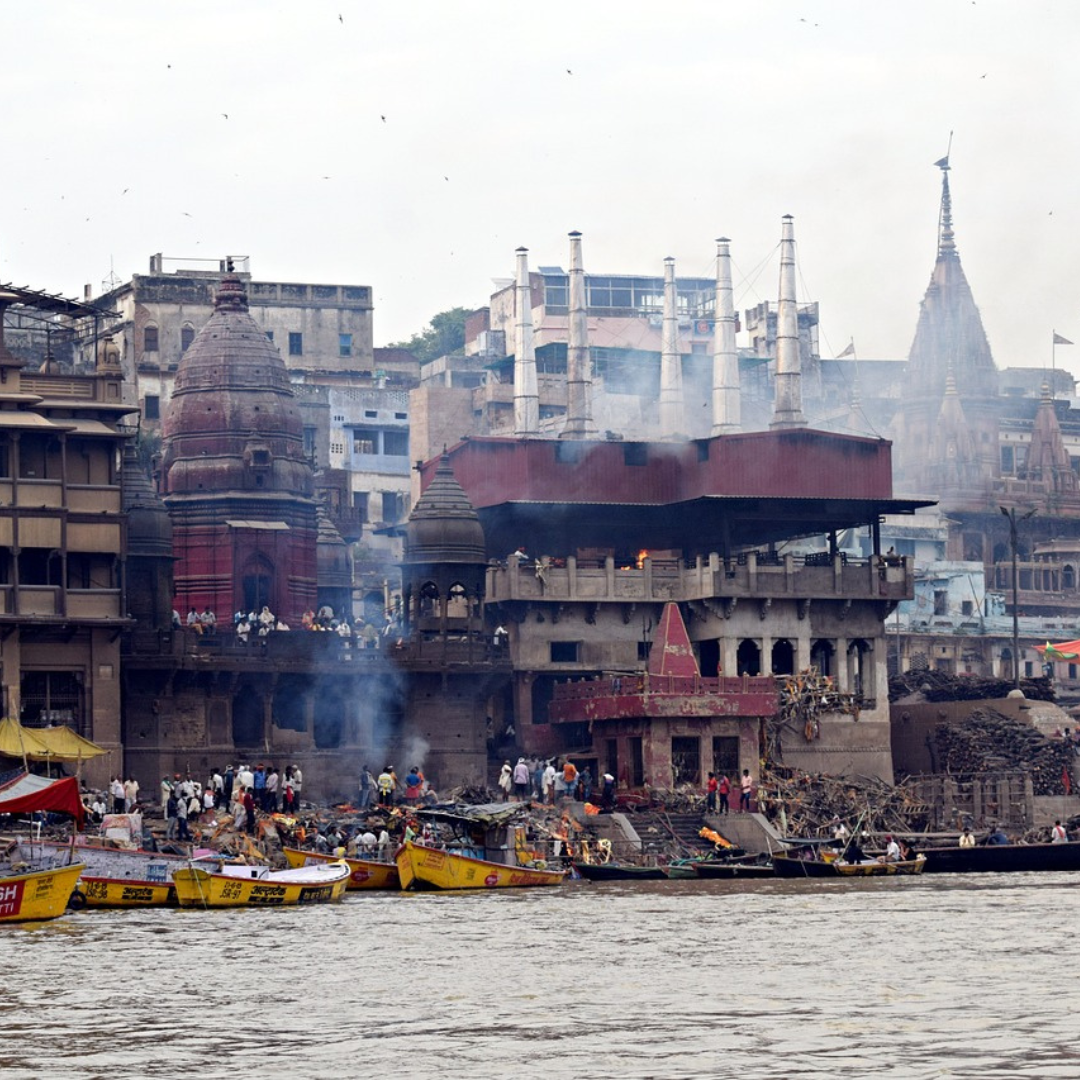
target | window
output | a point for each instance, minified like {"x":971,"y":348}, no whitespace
{"x":296,"y":343}
{"x":150,"y":339}
{"x":1007,"y":460}
{"x":360,"y":504}
{"x":152,"y":407}
{"x":365,"y":441}
{"x":401,"y":416}
{"x":371,"y":414}
{"x":965,"y":607}
{"x":396,"y":443}
{"x":187,"y":336}
{"x":393,"y":503}
{"x":344,"y":344}
{"x":269,"y":335}
{"x":565,"y":652}
{"x":309,"y":441}
{"x":941,"y":602}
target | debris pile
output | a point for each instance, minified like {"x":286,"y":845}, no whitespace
{"x":988,"y":741}
{"x":803,"y":699}
{"x":943,"y":686}
{"x":802,"y":804}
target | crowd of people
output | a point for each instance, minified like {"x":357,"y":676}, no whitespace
{"x":256,"y":626}
{"x":552,"y":780}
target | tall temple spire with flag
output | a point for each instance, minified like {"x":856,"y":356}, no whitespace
{"x":950,"y":341}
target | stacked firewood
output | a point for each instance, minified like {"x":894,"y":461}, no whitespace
{"x":943,"y":686}
{"x":988,"y":741}
{"x":804,"y":804}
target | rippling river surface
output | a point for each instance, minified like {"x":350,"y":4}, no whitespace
{"x":933,"y":977}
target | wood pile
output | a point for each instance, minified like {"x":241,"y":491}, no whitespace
{"x":803,"y":804}
{"x":988,"y":741}
{"x":804,"y":698}
{"x":943,"y":686}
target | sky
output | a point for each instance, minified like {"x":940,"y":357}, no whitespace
{"x":412,"y":146}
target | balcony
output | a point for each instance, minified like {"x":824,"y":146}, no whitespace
{"x":625,"y":697}
{"x":753,"y":575}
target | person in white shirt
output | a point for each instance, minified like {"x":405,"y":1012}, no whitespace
{"x":892,"y":851}
{"x":1058,"y":835}
{"x":131,"y":794}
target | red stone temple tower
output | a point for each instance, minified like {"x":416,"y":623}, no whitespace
{"x":234,"y":476}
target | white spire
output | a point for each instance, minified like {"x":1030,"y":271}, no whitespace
{"x":671,"y":382}
{"x":579,"y":421}
{"x":787,"y":407}
{"x":726,"y":403}
{"x":526,"y":394}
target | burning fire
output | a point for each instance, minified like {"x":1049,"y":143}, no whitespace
{"x":642,"y":555}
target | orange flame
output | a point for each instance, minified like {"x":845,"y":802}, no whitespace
{"x":642,"y":555}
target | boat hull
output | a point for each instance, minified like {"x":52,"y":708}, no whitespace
{"x":422,"y":867}
{"x":620,"y":872}
{"x":728,"y":870}
{"x":38,"y":894}
{"x":103,"y":892}
{"x":363,"y":873}
{"x":201,"y":888}
{"x":1003,"y":858}
{"x":787,"y":867}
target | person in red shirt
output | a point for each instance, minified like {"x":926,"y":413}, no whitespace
{"x":710,"y":793}
{"x":724,"y":790}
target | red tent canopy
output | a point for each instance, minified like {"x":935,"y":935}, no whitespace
{"x":27,"y":793}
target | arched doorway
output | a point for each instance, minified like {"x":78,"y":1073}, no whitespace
{"x":247,"y":718}
{"x":257,"y":583}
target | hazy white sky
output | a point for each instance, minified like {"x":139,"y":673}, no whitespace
{"x":676,"y":123}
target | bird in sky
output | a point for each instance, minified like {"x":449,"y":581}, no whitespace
{"x":382,"y":118}
{"x":569,"y":72}
{"x":185,"y":213}
{"x":341,"y":19}
{"x":125,"y":191}
{"x":226,"y":115}
{"x":446,"y":178}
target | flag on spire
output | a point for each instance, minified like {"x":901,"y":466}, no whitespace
{"x":849,"y":351}
{"x":1059,"y":340}
{"x":943,"y":163}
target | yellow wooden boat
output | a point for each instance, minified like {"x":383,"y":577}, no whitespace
{"x":363,"y":873}
{"x":880,"y":868}
{"x":221,"y":885}
{"x":114,"y":877}
{"x":422,"y":867}
{"x":37,"y":894}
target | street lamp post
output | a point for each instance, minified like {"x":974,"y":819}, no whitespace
{"x":1010,"y":513}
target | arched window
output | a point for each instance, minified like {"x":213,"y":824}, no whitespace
{"x":783,"y":658}
{"x":748,"y":658}
{"x":861,"y":668}
{"x":821,"y":656}
{"x":1068,"y":577}
{"x":150,"y":339}
{"x":187,"y":336}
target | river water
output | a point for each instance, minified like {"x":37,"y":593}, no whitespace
{"x":939,"y":976}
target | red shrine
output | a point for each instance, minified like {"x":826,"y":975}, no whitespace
{"x":234,"y":476}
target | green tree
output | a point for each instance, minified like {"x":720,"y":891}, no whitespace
{"x":443,"y":336}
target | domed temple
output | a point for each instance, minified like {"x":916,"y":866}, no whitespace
{"x":234,"y":476}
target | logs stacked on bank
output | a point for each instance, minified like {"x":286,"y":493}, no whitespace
{"x":987,"y":741}
{"x":943,"y":686}
{"x":804,"y":804}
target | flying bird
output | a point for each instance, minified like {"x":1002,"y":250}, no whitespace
{"x":341,"y":19}
{"x":125,"y":191}
{"x":382,"y":118}
{"x":569,"y":72}
{"x":226,"y":115}
{"x":184,"y":213}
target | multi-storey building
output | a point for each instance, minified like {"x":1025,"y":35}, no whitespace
{"x":63,"y":541}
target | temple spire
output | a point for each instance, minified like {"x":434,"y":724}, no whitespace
{"x":946,"y":239}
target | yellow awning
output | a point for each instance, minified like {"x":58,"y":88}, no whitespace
{"x":19,"y":742}
{"x":45,"y":744}
{"x":63,"y":744}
